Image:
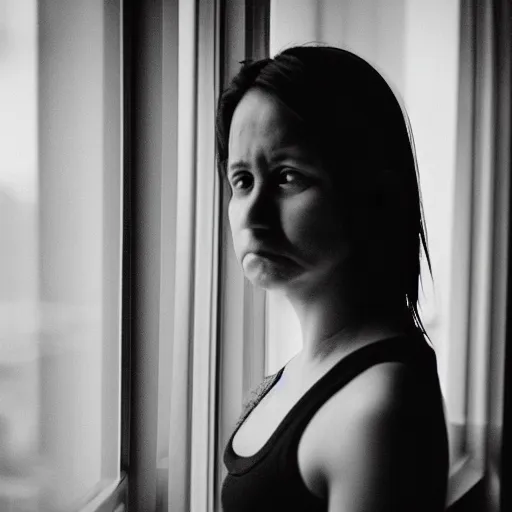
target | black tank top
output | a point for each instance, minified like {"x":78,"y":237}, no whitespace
{"x":270,"y":480}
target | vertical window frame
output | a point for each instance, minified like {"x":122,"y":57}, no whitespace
{"x":477,"y":481}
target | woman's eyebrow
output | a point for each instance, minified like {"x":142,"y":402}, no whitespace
{"x":244,"y":164}
{"x":239,"y":164}
{"x":295,"y":152}
{"x":292,"y":152}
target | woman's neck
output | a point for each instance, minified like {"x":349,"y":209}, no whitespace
{"x":331,"y":324}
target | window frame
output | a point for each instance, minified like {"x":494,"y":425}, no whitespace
{"x":171,"y":210}
{"x":484,"y":150}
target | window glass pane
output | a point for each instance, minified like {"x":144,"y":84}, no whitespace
{"x":60,"y":192}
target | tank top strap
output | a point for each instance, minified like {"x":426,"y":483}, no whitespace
{"x":404,"y":349}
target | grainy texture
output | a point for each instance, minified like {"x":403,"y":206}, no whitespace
{"x":254,"y":397}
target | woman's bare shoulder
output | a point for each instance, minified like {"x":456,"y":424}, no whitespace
{"x":363,"y":436}
{"x":382,"y":389}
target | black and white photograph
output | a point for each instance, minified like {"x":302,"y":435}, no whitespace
{"x":255,"y":256}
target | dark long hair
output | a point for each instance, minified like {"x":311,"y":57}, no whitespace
{"x":360,"y":131}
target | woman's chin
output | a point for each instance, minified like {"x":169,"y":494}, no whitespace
{"x":267,"y":275}
{"x":269,"y":279}
{"x":267,"y":282}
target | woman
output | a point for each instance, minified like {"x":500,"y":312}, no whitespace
{"x":325,"y":206}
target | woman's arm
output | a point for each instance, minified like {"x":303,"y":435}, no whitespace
{"x":368,"y":457}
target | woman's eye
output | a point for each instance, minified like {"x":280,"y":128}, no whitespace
{"x":291,"y":178}
{"x":286,"y":178}
{"x":241,"y":181}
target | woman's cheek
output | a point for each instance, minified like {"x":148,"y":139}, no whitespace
{"x":313,"y":226}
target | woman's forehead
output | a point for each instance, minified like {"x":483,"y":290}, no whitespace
{"x":261,"y":119}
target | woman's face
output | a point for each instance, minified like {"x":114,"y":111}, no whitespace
{"x":284,"y":211}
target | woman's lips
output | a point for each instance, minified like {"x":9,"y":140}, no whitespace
{"x":270,"y":256}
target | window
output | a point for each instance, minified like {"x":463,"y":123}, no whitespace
{"x":61,"y":193}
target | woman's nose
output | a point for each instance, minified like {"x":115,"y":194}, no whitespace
{"x":260,"y":209}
